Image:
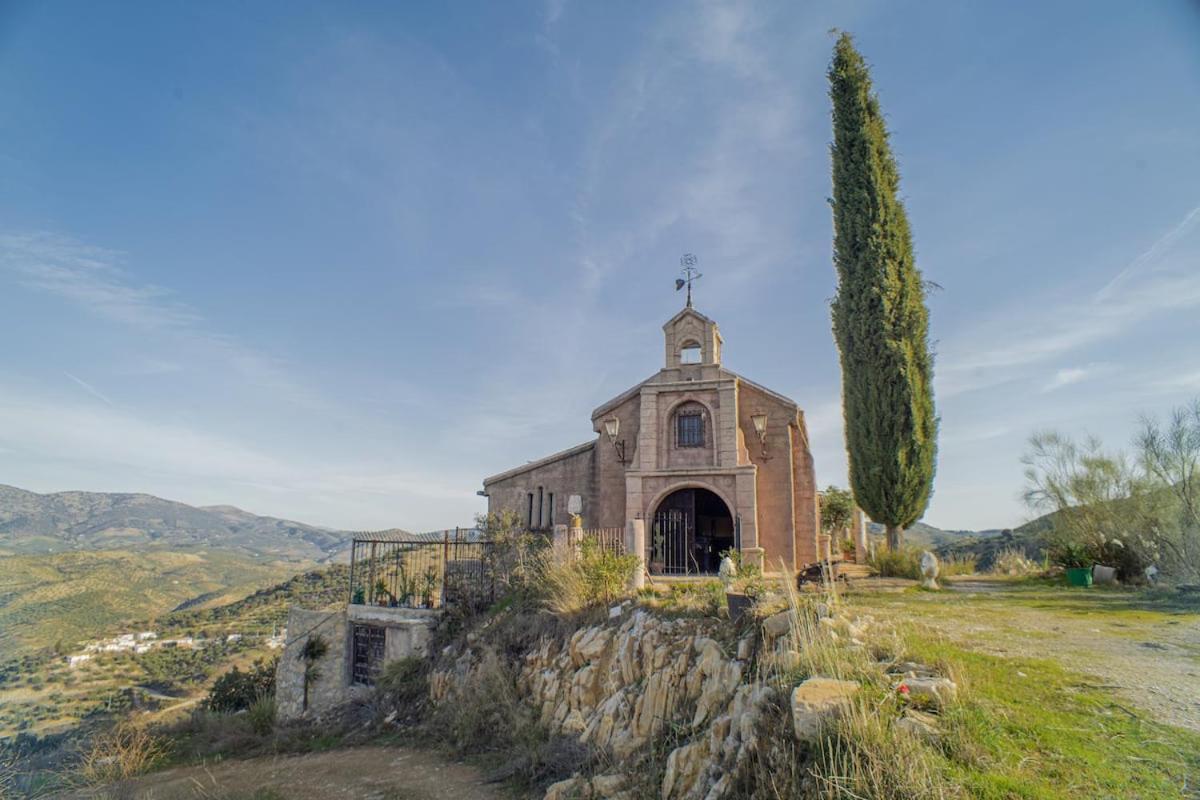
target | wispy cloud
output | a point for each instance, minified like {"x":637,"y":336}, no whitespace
{"x":87,"y":387}
{"x":1068,"y":376}
{"x":362,"y":492}
{"x":94,"y":279}
{"x":1164,"y":278}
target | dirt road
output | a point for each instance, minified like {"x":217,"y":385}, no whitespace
{"x":1145,"y":648}
{"x":362,"y":773}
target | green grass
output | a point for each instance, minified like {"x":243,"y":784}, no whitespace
{"x":1051,"y":735}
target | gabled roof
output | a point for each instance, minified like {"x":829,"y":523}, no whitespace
{"x":687,"y":311}
{"x":623,"y":396}
{"x":728,"y":373}
{"x":781,"y":398}
{"x":571,"y":451}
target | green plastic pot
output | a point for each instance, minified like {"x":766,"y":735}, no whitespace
{"x":1079,"y":576}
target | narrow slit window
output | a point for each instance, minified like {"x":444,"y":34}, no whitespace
{"x":529,"y":512}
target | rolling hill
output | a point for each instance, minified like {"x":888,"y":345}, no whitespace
{"x":923,"y":535}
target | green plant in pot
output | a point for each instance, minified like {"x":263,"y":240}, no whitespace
{"x":658,"y":553}
{"x":1077,"y":560}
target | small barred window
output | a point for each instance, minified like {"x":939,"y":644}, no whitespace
{"x":689,"y":429}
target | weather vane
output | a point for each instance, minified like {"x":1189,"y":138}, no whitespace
{"x":688,"y":261}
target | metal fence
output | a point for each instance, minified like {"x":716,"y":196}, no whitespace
{"x":426,"y":570}
{"x":610,"y":540}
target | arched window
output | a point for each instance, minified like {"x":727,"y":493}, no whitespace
{"x":689,"y":353}
{"x":690,"y":425}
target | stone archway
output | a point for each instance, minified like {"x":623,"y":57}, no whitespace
{"x":690,"y":527}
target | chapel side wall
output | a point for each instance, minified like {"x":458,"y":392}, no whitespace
{"x":609,"y":510}
{"x":572,"y":474}
{"x":775,"y":482}
{"x":808,"y":513}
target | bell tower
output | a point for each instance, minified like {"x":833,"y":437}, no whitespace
{"x":691,"y":339}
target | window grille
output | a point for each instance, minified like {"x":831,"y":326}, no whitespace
{"x":689,"y":429}
{"x":369,"y":646}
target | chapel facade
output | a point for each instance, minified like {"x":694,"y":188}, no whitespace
{"x":706,"y":460}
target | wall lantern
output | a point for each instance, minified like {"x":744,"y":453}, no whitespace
{"x":612,"y":426}
{"x":760,"y":427}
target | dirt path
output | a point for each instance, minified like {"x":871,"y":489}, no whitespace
{"x":1148,"y":652}
{"x":362,"y":773}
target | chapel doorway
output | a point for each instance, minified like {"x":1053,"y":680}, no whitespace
{"x":692,"y":527}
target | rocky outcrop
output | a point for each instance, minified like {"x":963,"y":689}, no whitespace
{"x":622,"y":686}
{"x":617,"y":686}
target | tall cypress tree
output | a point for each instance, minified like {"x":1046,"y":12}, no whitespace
{"x":880,"y":320}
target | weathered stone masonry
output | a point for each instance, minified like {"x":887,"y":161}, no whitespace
{"x":765,"y":486}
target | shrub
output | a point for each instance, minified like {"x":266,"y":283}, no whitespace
{"x":568,"y":580}
{"x":904,"y":563}
{"x":261,"y":714}
{"x":404,"y":684}
{"x":123,"y":751}
{"x":237,"y":690}
{"x":606,"y":574}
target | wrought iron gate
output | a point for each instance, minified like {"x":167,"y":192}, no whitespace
{"x":671,"y":543}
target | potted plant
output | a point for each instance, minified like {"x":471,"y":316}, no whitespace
{"x":658,"y":552}
{"x":849,"y":550}
{"x":359,"y":596}
{"x":1076,"y":560}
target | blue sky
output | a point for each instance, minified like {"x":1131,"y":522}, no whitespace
{"x":337,"y":262}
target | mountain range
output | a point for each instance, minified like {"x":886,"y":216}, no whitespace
{"x":32,"y":523}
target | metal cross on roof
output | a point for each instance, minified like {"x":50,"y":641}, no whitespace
{"x":689,"y":274}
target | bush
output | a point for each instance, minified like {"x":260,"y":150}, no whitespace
{"x":123,"y":751}
{"x":569,"y":581}
{"x":904,"y":563}
{"x":238,"y":691}
{"x":404,"y":684}
{"x":261,"y":714}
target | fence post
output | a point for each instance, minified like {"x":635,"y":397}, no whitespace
{"x":575,"y":536}
{"x":859,"y":526}
{"x":635,"y":543}
{"x":446,"y":559}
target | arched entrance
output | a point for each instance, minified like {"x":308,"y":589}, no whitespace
{"x":691,"y":527}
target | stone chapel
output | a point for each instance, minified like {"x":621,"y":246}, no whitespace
{"x":705,"y":459}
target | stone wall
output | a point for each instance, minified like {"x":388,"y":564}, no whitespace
{"x":331,"y":687}
{"x":562,"y":475}
{"x":407,"y":632}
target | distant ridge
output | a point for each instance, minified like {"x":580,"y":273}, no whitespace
{"x":66,"y":521}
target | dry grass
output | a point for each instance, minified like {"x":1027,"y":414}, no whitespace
{"x":861,"y":754}
{"x":1012,"y":561}
{"x":125,"y":750}
{"x":563,"y":586}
